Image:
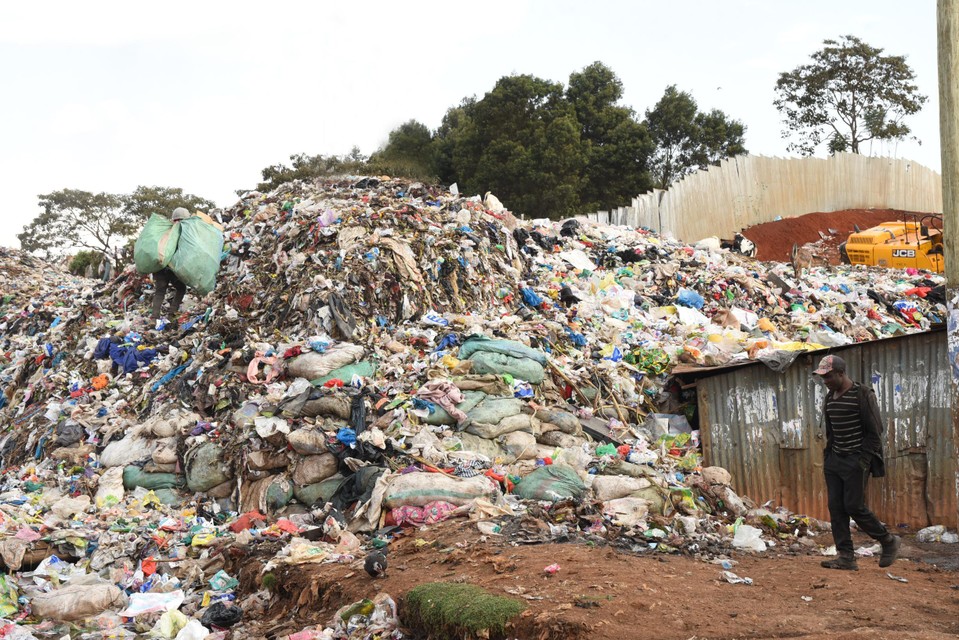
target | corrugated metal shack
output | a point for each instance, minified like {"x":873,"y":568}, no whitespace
{"x":764,"y":427}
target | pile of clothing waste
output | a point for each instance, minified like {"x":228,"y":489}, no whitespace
{"x":377,"y":355}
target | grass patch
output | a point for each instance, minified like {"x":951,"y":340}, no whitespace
{"x":448,"y":610}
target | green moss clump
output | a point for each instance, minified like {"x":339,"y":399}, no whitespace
{"x":449,"y":610}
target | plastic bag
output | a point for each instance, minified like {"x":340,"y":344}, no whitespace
{"x":930,"y":534}
{"x":141,"y":603}
{"x":194,"y":630}
{"x":689,"y":298}
{"x":169,"y":625}
{"x":749,"y":538}
{"x":221,"y":615}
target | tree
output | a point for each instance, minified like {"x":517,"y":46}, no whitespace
{"x":100,"y":222}
{"x":307,"y":167}
{"x":145,"y":201}
{"x":849,"y":94}
{"x":719,"y":137}
{"x":356,"y":156}
{"x":617,"y":147}
{"x":447,"y":139}
{"x":687,"y":139}
{"x":522,"y":142}
{"x":408,"y":151}
{"x":84,"y":259}
{"x":302,"y":167}
{"x":74,"y":219}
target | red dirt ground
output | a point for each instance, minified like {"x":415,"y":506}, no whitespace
{"x":604,"y":594}
{"x":774,"y":240}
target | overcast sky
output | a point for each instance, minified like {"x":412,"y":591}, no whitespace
{"x":106,"y":96}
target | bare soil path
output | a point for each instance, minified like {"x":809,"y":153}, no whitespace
{"x":602,"y":593}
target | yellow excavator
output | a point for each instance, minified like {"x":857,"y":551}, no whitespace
{"x":915,"y":241}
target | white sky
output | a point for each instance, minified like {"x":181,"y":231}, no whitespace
{"x":107,"y":95}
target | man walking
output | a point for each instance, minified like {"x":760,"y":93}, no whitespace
{"x":853,"y":453}
{"x":165,"y":278}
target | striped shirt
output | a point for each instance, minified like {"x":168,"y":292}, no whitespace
{"x":843,"y":412}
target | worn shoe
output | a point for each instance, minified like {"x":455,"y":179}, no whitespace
{"x":847,"y":563}
{"x":890,"y":551}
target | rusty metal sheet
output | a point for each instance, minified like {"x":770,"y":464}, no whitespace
{"x":764,"y":428}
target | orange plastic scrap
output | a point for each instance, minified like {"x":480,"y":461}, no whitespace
{"x":100,"y":381}
{"x":501,"y":478}
{"x":287,"y":526}
{"x":148,"y":566}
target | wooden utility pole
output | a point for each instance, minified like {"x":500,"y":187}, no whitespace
{"x":948,"y":32}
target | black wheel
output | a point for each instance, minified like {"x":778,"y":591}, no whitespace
{"x":843,"y":256}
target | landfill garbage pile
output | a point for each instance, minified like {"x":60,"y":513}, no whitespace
{"x":379,"y":355}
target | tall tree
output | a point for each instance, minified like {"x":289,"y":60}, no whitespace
{"x":719,"y":137}
{"x":617,"y":147}
{"x":74,"y":219}
{"x":408,"y":151}
{"x":849,"y":94}
{"x":687,"y":139}
{"x":447,"y":140}
{"x":163,"y":200}
{"x":672,"y":124}
{"x":522,"y":142}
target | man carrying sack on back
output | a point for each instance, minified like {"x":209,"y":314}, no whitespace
{"x":165,"y":278}
{"x":181,"y":251}
{"x":853,"y":453}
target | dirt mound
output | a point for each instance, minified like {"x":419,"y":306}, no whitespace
{"x":774,"y":240}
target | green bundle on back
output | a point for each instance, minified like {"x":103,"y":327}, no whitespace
{"x":197,"y":258}
{"x":156,"y":245}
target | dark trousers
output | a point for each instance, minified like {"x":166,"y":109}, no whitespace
{"x":163,"y":279}
{"x":846,"y":487}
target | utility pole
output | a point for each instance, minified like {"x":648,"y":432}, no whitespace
{"x":947,"y":15}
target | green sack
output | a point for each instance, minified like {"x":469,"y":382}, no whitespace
{"x":506,"y":347}
{"x":156,"y":245}
{"x":279,"y":494}
{"x":493,"y":409}
{"x":551,"y":483}
{"x":197,"y":257}
{"x":499,"y":363}
{"x":440,"y":416}
{"x":364,"y":368}
{"x":319,"y":493}
{"x":134,"y":477}
{"x":168,"y":497}
{"x":205,"y":467}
